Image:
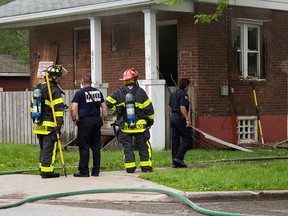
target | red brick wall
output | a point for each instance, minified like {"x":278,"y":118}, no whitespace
{"x":116,"y":62}
{"x":19,"y":83}
{"x":206,"y":55}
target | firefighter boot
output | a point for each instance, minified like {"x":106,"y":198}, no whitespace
{"x":146,"y":169}
{"x":130,"y":170}
{"x":179,"y":163}
{"x":45,"y":175}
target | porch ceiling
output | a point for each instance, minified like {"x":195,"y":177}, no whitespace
{"x":26,"y":13}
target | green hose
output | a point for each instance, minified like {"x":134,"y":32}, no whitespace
{"x":110,"y":190}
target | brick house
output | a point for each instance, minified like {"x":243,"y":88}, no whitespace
{"x":246,"y":47}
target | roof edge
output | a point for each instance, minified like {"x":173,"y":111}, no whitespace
{"x":76,"y":10}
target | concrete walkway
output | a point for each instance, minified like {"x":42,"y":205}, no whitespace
{"x":20,"y":187}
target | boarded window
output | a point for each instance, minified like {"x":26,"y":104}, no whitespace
{"x":120,"y":36}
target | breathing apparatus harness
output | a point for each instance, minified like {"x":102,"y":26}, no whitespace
{"x":36,"y":107}
{"x":126,"y":114}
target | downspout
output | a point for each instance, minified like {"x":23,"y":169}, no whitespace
{"x":230,"y":89}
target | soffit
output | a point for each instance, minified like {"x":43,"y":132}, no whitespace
{"x":26,"y":13}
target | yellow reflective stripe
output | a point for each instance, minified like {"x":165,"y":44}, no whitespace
{"x":114,"y":108}
{"x":140,"y":127}
{"x":46,"y":169}
{"x":31,"y":109}
{"x":143,"y":105}
{"x":144,"y":163}
{"x":111,"y":100}
{"x":151,"y":116}
{"x":48,"y":123}
{"x":57,"y":101}
{"x":130,"y":165}
{"x":149,"y":152}
{"x":133,"y":130}
{"x":47,"y":102}
{"x":149,"y":162}
{"x":51,"y":166}
{"x":59,"y":114}
{"x":41,"y":132}
{"x":139,"y":105}
{"x":54,"y":154}
{"x":141,"y":122}
{"x":121,"y":104}
{"x":40,"y":129}
{"x":146,"y":103}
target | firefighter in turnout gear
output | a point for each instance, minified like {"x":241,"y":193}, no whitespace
{"x":135,"y":116}
{"x":45,"y":128}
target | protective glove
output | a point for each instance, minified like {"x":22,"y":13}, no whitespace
{"x":150,"y":122}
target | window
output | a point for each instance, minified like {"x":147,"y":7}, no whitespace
{"x":247,"y":129}
{"x":249,"y":49}
{"x":120,"y":36}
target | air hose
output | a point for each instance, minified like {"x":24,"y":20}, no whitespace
{"x":111,"y":190}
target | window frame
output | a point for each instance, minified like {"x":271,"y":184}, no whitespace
{"x":244,"y":25}
{"x":248,"y":132}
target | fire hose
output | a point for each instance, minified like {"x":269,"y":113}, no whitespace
{"x":112,"y":190}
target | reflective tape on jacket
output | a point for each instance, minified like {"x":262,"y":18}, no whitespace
{"x":40,"y":129}
{"x":140,"y":127}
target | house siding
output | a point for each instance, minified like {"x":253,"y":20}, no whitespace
{"x":14,"y":83}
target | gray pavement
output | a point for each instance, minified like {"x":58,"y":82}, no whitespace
{"x":17,"y":187}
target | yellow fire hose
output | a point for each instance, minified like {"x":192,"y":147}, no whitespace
{"x":257,"y":112}
{"x":55,"y":121}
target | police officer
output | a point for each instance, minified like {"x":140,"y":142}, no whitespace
{"x":135,"y":115}
{"x":46,"y":128}
{"x":180,"y":123}
{"x":88,"y":110}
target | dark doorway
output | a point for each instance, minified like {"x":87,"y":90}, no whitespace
{"x":168,"y":54}
{"x":83,"y":54}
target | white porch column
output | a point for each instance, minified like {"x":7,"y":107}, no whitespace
{"x":154,"y":87}
{"x":150,"y":45}
{"x":96,"y":55}
{"x":156,"y":92}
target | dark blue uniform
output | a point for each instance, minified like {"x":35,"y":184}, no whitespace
{"x":178,"y":125}
{"x":89,"y":101}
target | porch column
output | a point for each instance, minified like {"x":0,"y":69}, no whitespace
{"x":96,"y":55}
{"x":150,"y":45}
{"x":154,"y":87}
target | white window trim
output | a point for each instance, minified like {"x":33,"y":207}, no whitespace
{"x":244,"y":25}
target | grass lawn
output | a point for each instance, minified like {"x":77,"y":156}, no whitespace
{"x":208,"y":170}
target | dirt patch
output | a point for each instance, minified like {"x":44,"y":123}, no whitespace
{"x":14,"y":196}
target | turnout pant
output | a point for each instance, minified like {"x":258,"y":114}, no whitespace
{"x":48,"y":151}
{"x":142,"y":145}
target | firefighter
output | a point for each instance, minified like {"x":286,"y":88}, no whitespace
{"x":135,"y":116}
{"x":45,"y":128}
{"x":180,"y":123}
